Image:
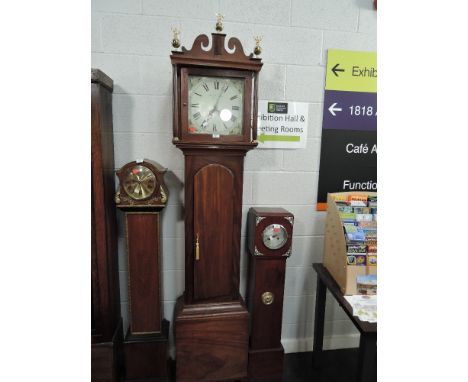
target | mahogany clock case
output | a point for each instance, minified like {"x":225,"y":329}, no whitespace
{"x":267,"y":269}
{"x":211,"y":341}
{"x":106,"y":322}
{"x":213,"y":171}
{"x":216,"y":62}
{"x":266,"y":353}
{"x":211,"y":212}
{"x":146,"y":342}
{"x":211,"y":319}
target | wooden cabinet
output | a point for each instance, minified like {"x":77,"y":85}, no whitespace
{"x":106,"y":322}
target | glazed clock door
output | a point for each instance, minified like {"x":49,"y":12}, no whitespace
{"x":213,"y":232}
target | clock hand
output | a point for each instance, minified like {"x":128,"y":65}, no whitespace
{"x":215,"y":108}
{"x":210,"y":115}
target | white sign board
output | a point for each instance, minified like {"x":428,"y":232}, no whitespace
{"x":282,"y":125}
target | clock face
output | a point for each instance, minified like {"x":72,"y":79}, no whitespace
{"x":139,"y":182}
{"x":215,"y":105}
{"x":274,"y":236}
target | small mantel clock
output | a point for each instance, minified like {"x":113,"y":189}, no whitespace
{"x":142,"y":194}
{"x":269,"y":244}
{"x":215,"y":117}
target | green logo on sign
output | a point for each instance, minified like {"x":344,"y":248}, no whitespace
{"x":278,"y":107}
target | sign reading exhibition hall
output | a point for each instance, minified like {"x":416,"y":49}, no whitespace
{"x":282,"y":125}
{"x":348,"y":157}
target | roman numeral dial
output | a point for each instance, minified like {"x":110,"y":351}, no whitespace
{"x":215,"y":105}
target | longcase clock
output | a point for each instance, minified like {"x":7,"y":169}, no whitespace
{"x":142,"y":195}
{"x":106,"y":322}
{"x":270,"y":232}
{"x":215,"y":114}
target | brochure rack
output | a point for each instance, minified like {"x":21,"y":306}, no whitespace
{"x":335,"y":254}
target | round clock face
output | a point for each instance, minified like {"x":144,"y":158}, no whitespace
{"x":274,"y":236}
{"x":215,"y":105}
{"x":139,"y":182}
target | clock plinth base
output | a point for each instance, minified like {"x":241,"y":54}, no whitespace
{"x":146,"y":355}
{"x":211,"y":341}
{"x":106,"y":358}
{"x":266,"y":363}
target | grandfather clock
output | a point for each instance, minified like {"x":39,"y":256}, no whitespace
{"x":142,"y":194}
{"x":269,"y":243}
{"x":215,"y":114}
{"x":106,"y":322}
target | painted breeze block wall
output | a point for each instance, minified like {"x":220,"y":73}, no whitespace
{"x":131,"y":42}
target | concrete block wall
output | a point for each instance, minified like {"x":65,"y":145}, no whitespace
{"x":131,"y":43}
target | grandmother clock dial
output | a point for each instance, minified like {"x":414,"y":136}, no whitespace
{"x":215,"y":115}
{"x":142,"y":194}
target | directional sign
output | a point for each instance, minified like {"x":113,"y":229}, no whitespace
{"x":282,"y":124}
{"x":349,"y":110}
{"x":342,"y":149}
{"x":333,"y":109}
{"x":348,"y":157}
{"x":351,"y":71}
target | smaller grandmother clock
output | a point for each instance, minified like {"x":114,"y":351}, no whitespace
{"x":142,"y":194}
{"x":269,"y":245}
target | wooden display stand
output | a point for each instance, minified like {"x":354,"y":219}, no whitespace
{"x":334,"y":258}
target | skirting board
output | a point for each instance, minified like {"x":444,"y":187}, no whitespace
{"x":297,"y":345}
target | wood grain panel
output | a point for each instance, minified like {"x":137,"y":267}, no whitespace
{"x":213,"y":225}
{"x":104,"y":276}
{"x":194,"y":162}
{"x":143,"y":261}
{"x":211,"y":345}
{"x":266,"y":323}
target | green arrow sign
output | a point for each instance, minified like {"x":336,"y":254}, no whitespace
{"x":279,"y":138}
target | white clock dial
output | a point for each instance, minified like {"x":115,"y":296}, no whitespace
{"x":274,"y":236}
{"x":215,"y":105}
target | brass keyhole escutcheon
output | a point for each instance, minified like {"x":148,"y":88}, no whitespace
{"x":268,"y":298}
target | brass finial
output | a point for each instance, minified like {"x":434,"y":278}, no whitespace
{"x":219,"y":22}
{"x":175,"y":37}
{"x":258,"y":48}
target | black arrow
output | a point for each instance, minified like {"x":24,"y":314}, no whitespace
{"x":335,"y":69}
